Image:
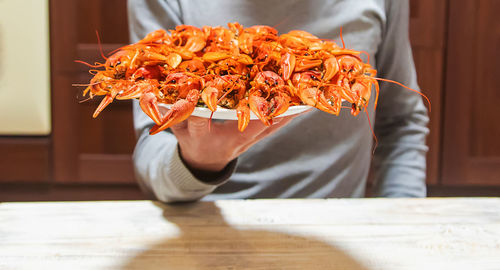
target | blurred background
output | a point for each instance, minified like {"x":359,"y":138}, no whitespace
{"x":51,"y":148}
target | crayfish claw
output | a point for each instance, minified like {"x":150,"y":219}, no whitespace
{"x":305,"y":64}
{"x":331,"y":68}
{"x":260,"y":108}
{"x":195,"y":44}
{"x":279,"y":104}
{"x":245,"y":43}
{"x":287,"y":65}
{"x":215,"y":56}
{"x":105,"y":102}
{"x":313,"y":97}
{"x":174,"y":59}
{"x":243,"y":114}
{"x":210,"y":96}
{"x":149,"y":105}
{"x":179,"y":112}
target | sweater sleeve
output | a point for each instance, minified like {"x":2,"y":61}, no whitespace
{"x":157,"y":163}
{"x":401,"y":121}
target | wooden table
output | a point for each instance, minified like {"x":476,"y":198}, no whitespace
{"x":253,"y":234}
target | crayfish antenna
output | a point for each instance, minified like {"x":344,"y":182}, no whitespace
{"x":89,"y":65}
{"x":282,"y":21}
{"x":100,"y":45}
{"x":342,"y":38}
{"x":411,"y":89}
{"x":85,"y":84}
{"x":85,"y":100}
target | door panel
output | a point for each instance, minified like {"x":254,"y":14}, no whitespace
{"x":88,"y":150}
{"x":471,"y":151}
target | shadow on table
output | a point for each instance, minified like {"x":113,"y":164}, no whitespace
{"x":211,"y":243}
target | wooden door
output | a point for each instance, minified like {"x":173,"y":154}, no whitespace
{"x":88,"y":150}
{"x":471,"y":145}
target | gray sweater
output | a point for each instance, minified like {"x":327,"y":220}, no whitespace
{"x":317,"y":155}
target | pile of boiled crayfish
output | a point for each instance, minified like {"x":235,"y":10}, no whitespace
{"x":246,"y":69}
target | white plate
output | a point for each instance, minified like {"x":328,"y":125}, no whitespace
{"x":227,"y":114}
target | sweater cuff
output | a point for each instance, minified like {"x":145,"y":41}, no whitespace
{"x":188,"y":181}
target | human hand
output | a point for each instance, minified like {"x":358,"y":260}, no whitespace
{"x":212,"y":149}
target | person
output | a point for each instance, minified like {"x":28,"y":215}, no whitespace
{"x":313,"y":155}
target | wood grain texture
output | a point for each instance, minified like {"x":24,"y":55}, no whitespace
{"x":253,"y":234}
{"x":429,"y":66}
{"x":428,"y":23}
{"x":102,"y":168}
{"x":471,"y":152}
{"x":108,"y":17}
{"x":88,"y":150}
{"x":485,"y":128}
{"x":63,"y":39}
{"x":427,"y":36}
{"x":25,"y":159}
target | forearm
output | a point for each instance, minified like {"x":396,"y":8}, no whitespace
{"x":400,"y":162}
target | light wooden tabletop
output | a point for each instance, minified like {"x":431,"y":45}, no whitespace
{"x":462,"y":233}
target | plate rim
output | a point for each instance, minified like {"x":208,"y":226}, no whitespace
{"x":230,"y":114}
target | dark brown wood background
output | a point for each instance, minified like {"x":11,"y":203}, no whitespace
{"x":455,"y":44}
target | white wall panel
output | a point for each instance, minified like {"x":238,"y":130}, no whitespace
{"x":24,"y":67}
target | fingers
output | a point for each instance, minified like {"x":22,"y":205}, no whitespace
{"x":197,"y":126}
{"x":265,"y":131}
{"x":180,"y":129}
{"x":195,"y":137}
{"x":275,"y":127}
